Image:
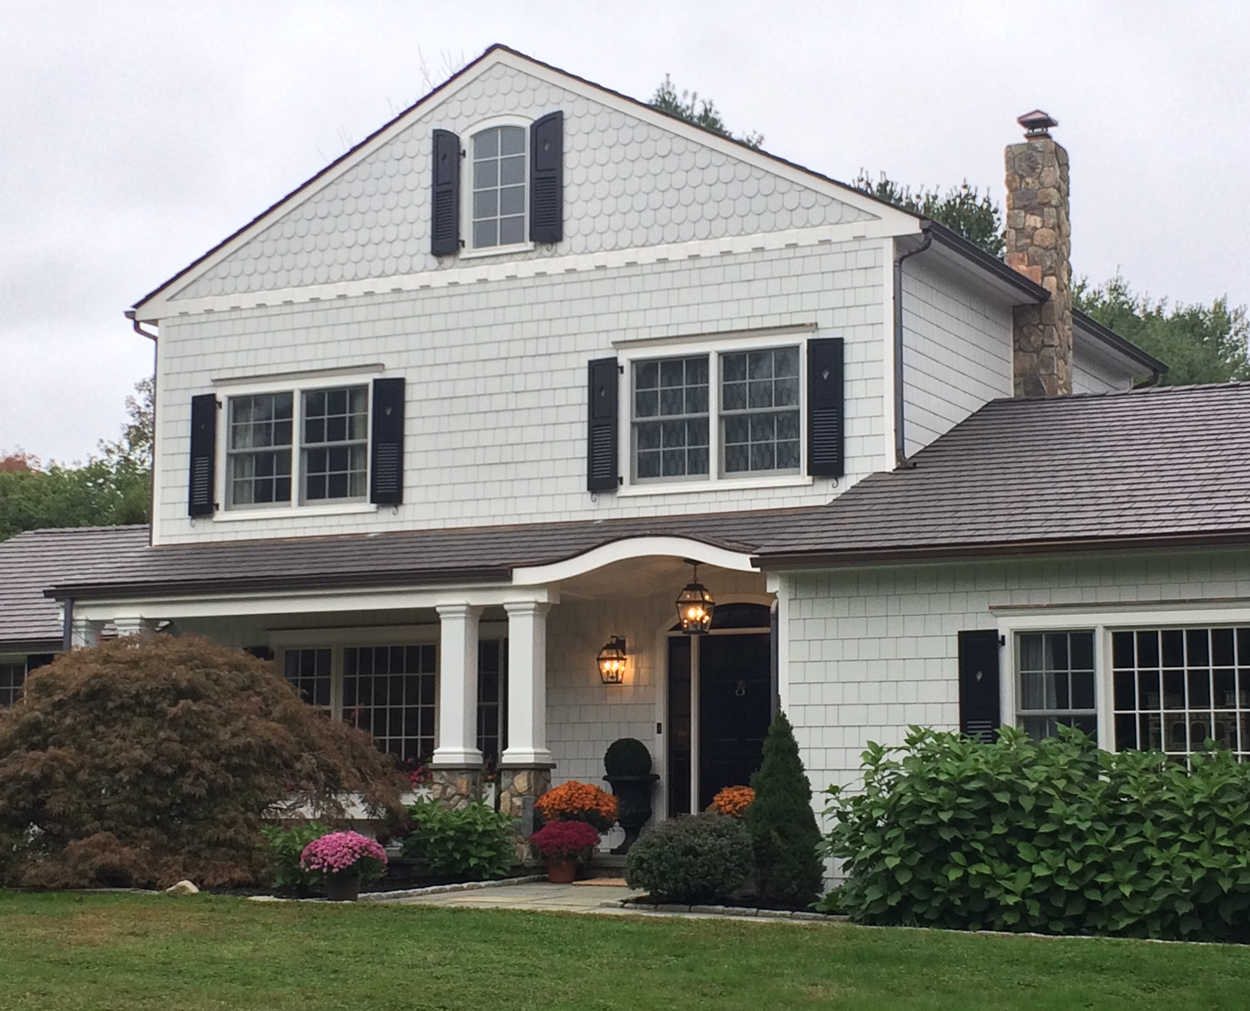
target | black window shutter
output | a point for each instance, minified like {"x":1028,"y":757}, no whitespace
{"x":260,"y":652}
{"x":547,"y":178}
{"x":445,"y":220}
{"x":601,"y":433}
{"x":979,"y":685}
{"x":824,"y":408}
{"x":36,"y":660}
{"x":203,"y":455}
{"x":386,"y":485}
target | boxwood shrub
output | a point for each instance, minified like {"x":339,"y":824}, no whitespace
{"x":1052,"y":836}
{"x":694,"y":858}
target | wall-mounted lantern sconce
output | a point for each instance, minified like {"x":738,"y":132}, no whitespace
{"x":612,"y":661}
{"x":695,"y":605}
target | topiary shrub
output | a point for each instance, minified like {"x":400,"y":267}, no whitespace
{"x":150,"y":759}
{"x":694,"y":858}
{"x":1052,"y":836}
{"x":474,"y":842}
{"x":784,"y":835}
{"x":627,"y":757}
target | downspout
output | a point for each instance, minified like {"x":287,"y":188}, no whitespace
{"x":900,"y":443}
{"x":67,"y":625}
{"x":131,"y":315}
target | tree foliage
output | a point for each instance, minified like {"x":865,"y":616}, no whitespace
{"x":963,"y":208}
{"x":702,"y":114}
{"x":1198,"y":343}
{"x":784,"y":835}
{"x":150,"y":759}
{"x":111,"y":488}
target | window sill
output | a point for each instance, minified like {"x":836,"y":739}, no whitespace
{"x":477,"y":254}
{"x":723,"y":484}
{"x":344,"y":509}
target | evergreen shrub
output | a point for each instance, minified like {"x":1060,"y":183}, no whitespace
{"x":784,"y":836}
{"x":694,"y":858}
{"x":474,"y":843}
{"x":1052,"y":836}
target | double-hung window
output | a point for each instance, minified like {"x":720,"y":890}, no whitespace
{"x":716,"y":416}
{"x":265,"y":467}
{"x":498,"y":207}
{"x":1056,"y":686}
{"x":12,"y":677}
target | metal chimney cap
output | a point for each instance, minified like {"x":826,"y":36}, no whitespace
{"x":1037,"y":124}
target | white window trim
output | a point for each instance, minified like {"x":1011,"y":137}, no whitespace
{"x":1103,"y":622}
{"x":296,"y":386}
{"x":467,"y":252}
{"x":713,"y":348}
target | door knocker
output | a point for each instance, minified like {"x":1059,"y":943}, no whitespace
{"x":741,"y":689}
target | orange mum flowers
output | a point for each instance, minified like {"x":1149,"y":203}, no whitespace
{"x":574,"y":801}
{"x":733,"y":800}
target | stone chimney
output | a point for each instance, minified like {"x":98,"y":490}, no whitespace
{"x":1038,"y":246}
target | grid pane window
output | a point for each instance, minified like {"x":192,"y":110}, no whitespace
{"x":492,"y":676}
{"x":671,"y":418}
{"x":336,"y":443}
{"x":1175,"y":689}
{"x":259,"y":465}
{"x":12,"y":677}
{"x":760,"y":410}
{"x":499,"y":187}
{"x":389,"y":691}
{"x":309,"y":671}
{"x":1056,"y":683}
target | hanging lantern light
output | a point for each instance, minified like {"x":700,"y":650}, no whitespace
{"x":612,"y":661}
{"x":695,"y":605}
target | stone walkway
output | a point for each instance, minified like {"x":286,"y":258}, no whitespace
{"x":536,"y":897}
{"x":600,"y":898}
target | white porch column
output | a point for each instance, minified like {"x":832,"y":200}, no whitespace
{"x":457,"y":689}
{"x":84,"y":632}
{"x":527,"y":685}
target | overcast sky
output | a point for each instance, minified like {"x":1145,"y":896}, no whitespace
{"x":135,"y":136}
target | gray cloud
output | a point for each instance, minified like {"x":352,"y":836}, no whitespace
{"x":135,"y":135}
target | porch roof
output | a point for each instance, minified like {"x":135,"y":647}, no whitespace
{"x":419,"y":557}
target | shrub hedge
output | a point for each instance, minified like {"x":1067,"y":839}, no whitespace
{"x":694,"y":858}
{"x":1052,"y":836}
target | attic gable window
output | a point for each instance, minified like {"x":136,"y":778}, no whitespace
{"x":499,"y":156}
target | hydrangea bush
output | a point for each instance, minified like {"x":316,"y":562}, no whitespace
{"x":344,"y":854}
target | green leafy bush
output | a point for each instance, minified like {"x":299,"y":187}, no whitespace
{"x":475,"y":842}
{"x":1053,"y":836}
{"x":784,"y":835}
{"x":695,"y":858}
{"x":285,"y":847}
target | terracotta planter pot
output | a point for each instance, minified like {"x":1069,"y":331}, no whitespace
{"x":343,"y":889}
{"x":561,"y":870}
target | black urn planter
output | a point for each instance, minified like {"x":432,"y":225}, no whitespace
{"x":633,"y":797}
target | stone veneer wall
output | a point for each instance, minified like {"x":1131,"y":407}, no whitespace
{"x":1039,"y":246}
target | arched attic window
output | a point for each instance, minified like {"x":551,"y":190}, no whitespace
{"x":499,"y":202}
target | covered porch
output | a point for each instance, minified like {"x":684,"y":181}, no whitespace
{"x":497,"y":680}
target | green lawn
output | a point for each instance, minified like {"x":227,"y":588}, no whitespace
{"x":102,"y":952}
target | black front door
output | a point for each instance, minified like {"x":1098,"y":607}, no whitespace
{"x":734,"y":710}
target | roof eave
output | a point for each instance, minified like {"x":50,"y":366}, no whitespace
{"x":323,"y":581}
{"x":1115,"y":342}
{"x":978,"y":257}
{"x":973,"y":551}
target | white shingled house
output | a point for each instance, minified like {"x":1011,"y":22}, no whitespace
{"x":463,"y":412}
